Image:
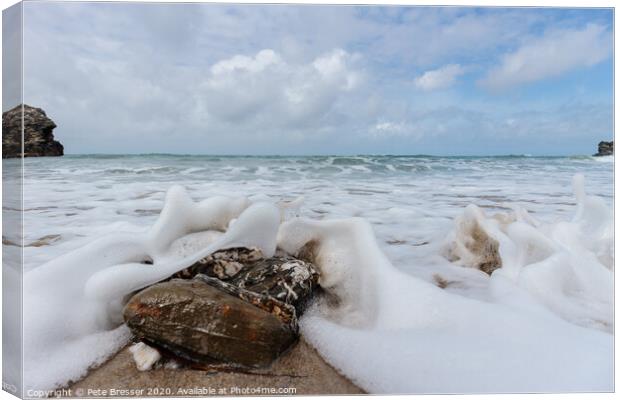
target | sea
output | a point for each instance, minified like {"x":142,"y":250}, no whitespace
{"x":409,"y":200}
{"x":411,"y":317}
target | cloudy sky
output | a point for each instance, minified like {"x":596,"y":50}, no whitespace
{"x":294,"y":79}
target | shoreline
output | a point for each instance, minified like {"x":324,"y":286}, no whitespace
{"x":422,"y":216}
{"x":300,"y":369}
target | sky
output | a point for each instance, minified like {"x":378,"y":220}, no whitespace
{"x":303,"y":79}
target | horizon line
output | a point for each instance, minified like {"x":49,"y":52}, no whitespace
{"x":331,"y":155}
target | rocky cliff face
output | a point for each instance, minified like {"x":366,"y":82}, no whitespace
{"x":38,"y":137}
{"x":605,"y":149}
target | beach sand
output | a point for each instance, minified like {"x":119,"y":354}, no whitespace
{"x":301,"y":368}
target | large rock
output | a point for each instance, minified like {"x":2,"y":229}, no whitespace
{"x":203,"y":324}
{"x":605,"y":149}
{"x":38,"y":137}
{"x":223,"y":264}
{"x":232,"y":307}
{"x":283,"y":277}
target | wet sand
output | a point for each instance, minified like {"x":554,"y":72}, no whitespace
{"x":299,"y":371}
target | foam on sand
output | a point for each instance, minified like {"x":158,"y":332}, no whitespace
{"x":73,"y":310}
{"x":419,"y":338}
{"x":540,"y":325}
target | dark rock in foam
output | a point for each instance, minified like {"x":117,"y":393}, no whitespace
{"x":203,"y":324}
{"x":287,"y":279}
{"x":238,"y":308}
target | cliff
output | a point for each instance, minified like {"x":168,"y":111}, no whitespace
{"x":38,"y":137}
{"x":605,"y":149}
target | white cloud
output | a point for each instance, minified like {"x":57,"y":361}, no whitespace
{"x":440,"y":78}
{"x":453,"y":122}
{"x":267,"y":90}
{"x":428,"y":36}
{"x":551,"y":55}
{"x":263,"y":59}
{"x":385,"y":129}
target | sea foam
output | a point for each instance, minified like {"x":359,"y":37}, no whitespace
{"x":409,"y":336}
{"x":540,"y":323}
